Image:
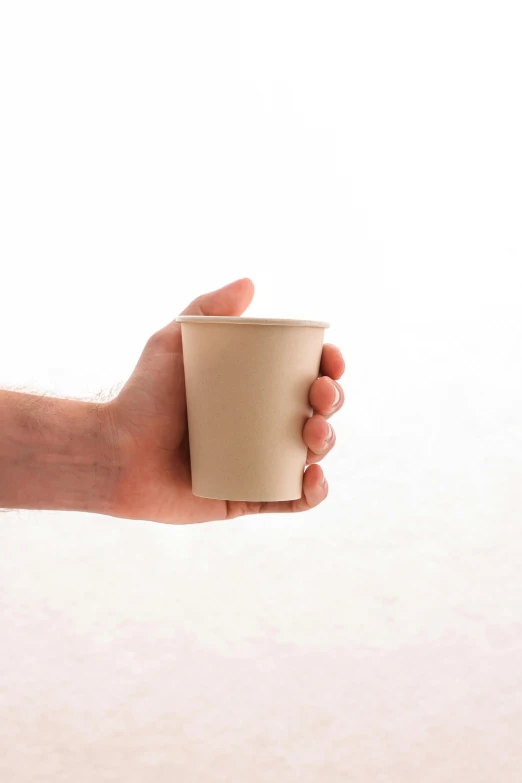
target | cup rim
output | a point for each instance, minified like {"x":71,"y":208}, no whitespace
{"x":227,"y":319}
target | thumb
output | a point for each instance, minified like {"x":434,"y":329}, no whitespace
{"x":232,"y":299}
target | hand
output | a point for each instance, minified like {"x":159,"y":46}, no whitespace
{"x":149,"y":425}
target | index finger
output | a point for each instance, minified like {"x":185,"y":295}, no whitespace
{"x":332,"y":362}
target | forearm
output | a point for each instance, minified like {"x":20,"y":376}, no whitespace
{"x":55,"y":454}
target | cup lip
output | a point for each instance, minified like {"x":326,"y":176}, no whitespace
{"x":227,"y":319}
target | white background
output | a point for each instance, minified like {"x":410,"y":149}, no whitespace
{"x":362,"y":163}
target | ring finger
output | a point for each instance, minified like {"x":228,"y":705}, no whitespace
{"x":319,"y":436}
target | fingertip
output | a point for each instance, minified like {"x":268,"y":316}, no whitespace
{"x":230,"y":300}
{"x":242,"y":287}
{"x":316,"y":431}
{"x":248,"y":282}
{"x":332,"y":362}
{"x":326,"y":396}
{"x":315,"y":486}
{"x":247,"y":286}
{"x":319,"y":436}
{"x":244,"y":290}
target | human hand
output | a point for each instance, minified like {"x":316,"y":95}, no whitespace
{"x":148,"y":421}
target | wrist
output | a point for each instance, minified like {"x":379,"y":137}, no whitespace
{"x":100,"y":494}
{"x":56,"y":454}
{"x":87,"y":459}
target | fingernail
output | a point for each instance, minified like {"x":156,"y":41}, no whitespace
{"x":337,"y":397}
{"x":329,"y":436}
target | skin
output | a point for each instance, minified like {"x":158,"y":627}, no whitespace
{"x":130,"y":457}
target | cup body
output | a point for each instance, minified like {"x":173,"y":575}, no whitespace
{"x":247,"y":383}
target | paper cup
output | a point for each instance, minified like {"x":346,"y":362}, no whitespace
{"x":247,"y":383}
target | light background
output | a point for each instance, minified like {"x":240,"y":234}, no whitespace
{"x":362,"y":163}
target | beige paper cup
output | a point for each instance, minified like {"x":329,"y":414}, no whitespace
{"x":247,"y":383}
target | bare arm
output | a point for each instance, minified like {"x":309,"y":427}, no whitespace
{"x":55,"y":454}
